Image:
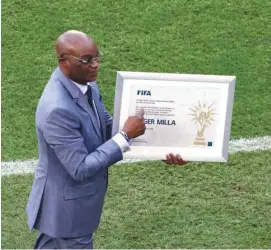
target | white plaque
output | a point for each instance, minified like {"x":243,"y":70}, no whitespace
{"x":184,"y":113}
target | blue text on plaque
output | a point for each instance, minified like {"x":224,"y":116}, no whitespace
{"x":144,"y":92}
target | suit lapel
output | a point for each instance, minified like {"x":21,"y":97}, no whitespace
{"x":82,"y":102}
{"x":78,"y":98}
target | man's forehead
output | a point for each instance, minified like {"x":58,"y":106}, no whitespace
{"x":87,"y":48}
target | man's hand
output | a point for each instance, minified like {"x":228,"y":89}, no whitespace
{"x":174,"y":159}
{"x":135,"y":125}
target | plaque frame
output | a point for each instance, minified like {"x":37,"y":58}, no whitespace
{"x":219,"y":153}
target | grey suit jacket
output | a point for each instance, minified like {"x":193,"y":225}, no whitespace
{"x":71,"y":177}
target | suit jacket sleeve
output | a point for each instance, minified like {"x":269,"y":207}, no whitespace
{"x":61,"y":131}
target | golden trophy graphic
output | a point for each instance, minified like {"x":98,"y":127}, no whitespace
{"x":203,"y":115}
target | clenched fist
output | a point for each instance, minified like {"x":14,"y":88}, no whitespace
{"x":135,"y":125}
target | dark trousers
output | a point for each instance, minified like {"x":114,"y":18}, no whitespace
{"x":47,"y":242}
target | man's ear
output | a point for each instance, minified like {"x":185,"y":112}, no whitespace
{"x":63,"y":62}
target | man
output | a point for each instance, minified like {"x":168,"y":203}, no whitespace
{"x":75,"y":148}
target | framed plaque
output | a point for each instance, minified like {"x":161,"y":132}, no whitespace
{"x":184,"y":113}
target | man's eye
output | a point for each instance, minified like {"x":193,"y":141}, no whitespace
{"x":85,"y":61}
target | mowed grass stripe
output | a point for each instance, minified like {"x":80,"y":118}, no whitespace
{"x":241,"y":145}
{"x":153,"y":205}
{"x":191,"y":37}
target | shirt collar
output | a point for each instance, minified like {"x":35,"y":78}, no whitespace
{"x":82,"y":87}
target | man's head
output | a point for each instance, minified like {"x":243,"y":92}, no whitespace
{"x":78,"y":56}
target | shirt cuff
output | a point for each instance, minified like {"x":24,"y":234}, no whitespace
{"x":121,"y":141}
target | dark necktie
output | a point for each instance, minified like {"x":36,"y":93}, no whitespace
{"x":92,"y":103}
{"x":90,"y":99}
{"x":96,"y":106}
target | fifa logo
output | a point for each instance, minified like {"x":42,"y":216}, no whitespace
{"x":144,"y":92}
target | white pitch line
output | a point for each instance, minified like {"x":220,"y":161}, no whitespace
{"x":241,"y":145}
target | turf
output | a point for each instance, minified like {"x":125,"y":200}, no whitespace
{"x":149,"y":205}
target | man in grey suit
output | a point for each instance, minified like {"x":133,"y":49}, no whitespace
{"x":75,"y":149}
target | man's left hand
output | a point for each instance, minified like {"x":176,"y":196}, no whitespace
{"x":174,"y":159}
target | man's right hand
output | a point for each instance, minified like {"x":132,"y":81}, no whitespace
{"x":135,"y":125}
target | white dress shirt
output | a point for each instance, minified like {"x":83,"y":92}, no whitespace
{"x":118,"y":138}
